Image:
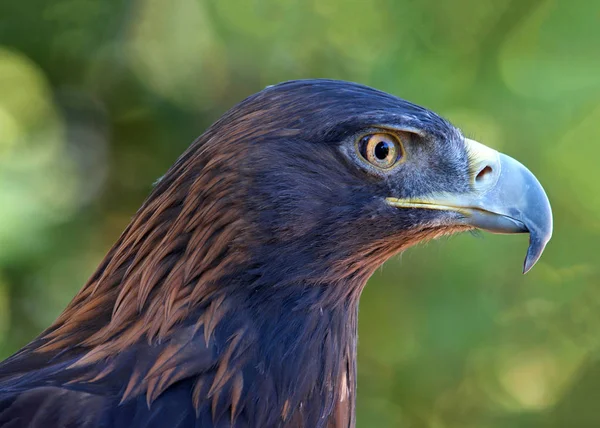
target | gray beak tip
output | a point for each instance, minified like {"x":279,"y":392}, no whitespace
{"x":537,"y":244}
{"x":533,"y":255}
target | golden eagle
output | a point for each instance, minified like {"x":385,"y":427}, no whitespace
{"x":231,"y":298}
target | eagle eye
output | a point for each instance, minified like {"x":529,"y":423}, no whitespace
{"x":380,"y":149}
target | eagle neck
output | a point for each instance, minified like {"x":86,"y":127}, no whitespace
{"x":306,"y":343}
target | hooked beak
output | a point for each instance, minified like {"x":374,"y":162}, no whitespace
{"x":505,"y":197}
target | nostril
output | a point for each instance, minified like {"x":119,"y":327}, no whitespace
{"x":484,"y":175}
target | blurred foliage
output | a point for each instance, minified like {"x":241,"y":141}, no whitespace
{"x":98,"y":98}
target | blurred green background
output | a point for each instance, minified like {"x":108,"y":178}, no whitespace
{"x":98,"y":99}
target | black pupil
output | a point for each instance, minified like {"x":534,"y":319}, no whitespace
{"x":382,"y":150}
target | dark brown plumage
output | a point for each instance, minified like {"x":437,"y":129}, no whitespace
{"x":231,"y":298}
